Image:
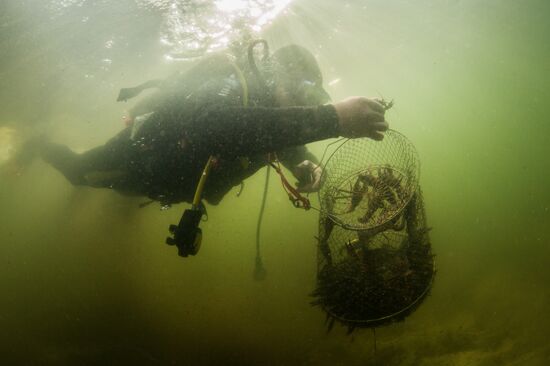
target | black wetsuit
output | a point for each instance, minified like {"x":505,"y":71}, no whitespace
{"x":163,"y":157}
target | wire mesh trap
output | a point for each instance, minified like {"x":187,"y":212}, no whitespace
{"x":375,"y":263}
{"x":366,"y":183}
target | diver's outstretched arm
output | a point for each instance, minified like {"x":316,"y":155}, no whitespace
{"x":239,"y":131}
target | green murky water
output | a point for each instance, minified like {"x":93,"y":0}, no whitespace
{"x":85,"y":276}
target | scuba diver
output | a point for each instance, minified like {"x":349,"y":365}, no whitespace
{"x":230,"y":110}
{"x":203,"y":113}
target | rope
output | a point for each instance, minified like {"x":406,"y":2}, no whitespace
{"x":259,"y":270}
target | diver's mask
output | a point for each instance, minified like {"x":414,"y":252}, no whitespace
{"x":308,"y":92}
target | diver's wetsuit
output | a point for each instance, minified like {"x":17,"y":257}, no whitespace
{"x":164,"y":158}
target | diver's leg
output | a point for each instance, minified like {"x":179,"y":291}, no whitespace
{"x":64,"y":160}
{"x":98,"y":167}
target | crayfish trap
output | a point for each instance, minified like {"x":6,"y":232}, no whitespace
{"x":375,"y":263}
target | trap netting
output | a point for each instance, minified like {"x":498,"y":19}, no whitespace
{"x":375,"y":262}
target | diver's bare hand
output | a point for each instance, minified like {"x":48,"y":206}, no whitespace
{"x":309,"y":176}
{"x":361,"y":117}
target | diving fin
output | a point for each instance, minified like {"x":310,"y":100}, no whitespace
{"x":128,"y":93}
